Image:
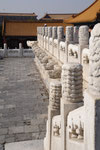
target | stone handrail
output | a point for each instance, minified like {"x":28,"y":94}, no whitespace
{"x":72,"y":125}
{"x":20,"y":52}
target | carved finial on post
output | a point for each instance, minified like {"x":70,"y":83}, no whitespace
{"x":69,"y":34}
{"x":72,"y":89}
{"x":54,"y":32}
{"x":5,"y":49}
{"x":46,"y":31}
{"x":94,"y":61}
{"x":83,"y":40}
{"x":49,"y":35}
{"x":84,"y":35}
{"x":69,"y":39}
{"x":38,"y":35}
{"x":54,"y":36}
{"x":55,"y":95}
{"x":60,"y":33}
{"x":43,"y":31}
{"x":76,"y":34}
{"x":49,"y":32}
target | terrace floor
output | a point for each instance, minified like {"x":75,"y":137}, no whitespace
{"x":23,"y":101}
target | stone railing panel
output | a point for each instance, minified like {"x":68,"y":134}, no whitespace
{"x":28,"y":53}
{"x":2,"y":53}
{"x":56,"y":133}
{"x":76,"y":124}
{"x":75,"y":130}
{"x":14,"y":53}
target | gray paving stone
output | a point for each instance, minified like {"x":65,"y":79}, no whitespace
{"x":23,"y":101}
{"x":31,"y":128}
{"x":23,"y":137}
{"x":26,"y":145}
{"x":10,"y":139}
{"x":19,"y":129}
{"x":3,"y":131}
{"x":10,"y":106}
{"x":35,"y":135}
{"x":2,"y":107}
{"x":1,"y":147}
{"x":2,"y":139}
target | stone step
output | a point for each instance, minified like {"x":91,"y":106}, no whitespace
{"x":25,"y":145}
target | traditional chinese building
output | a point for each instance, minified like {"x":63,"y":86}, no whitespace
{"x":17,"y":16}
{"x":59,"y":17}
{"x":6,"y":17}
{"x":15,"y":32}
{"x":90,"y":15}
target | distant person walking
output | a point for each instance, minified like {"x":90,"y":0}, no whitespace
{"x":45,"y":25}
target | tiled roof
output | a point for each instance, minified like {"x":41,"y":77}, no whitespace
{"x":88,"y":15}
{"x":57,"y":16}
{"x":18,"y":14}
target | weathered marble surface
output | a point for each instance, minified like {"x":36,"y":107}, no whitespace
{"x":69,"y":33}
{"x":84,"y":35}
{"x":54,"y":32}
{"x":72,"y":89}
{"x":94,"y":65}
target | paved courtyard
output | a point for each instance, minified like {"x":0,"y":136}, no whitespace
{"x":23,"y":101}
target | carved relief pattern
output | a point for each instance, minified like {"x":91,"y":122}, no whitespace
{"x":57,"y":129}
{"x":55,"y":95}
{"x":76,"y":131}
{"x":69,"y":33}
{"x":84,"y":35}
{"x":72,"y":82}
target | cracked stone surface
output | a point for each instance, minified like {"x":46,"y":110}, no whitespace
{"x":23,"y":101}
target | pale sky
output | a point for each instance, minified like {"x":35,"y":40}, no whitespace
{"x":40,"y":7}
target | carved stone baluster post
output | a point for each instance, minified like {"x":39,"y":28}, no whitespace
{"x":5,"y":49}
{"x":60,"y":38}
{"x":54,"y":107}
{"x":21,"y":49}
{"x":92,"y":95}
{"x":69,"y":39}
{"x":83,"y":40}
{"x":38,"y":35}
{"x":41,"y":37}
{"x":43,"y":34}
{"x":76,"y":35}
{"x":72,"y":94}
{"x":46,"y":38}
{"x":54,"y":36}
{"x":49,"y":35}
